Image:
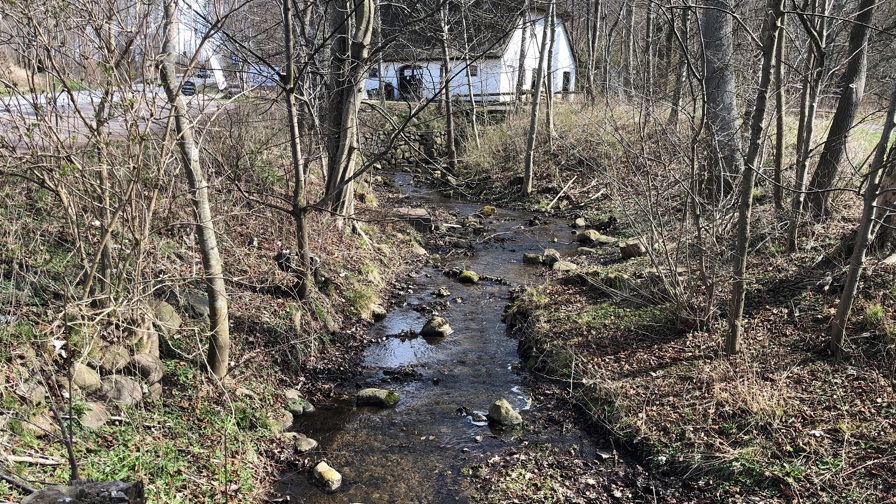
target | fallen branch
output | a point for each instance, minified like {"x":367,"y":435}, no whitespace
{"x":560,"y":194}
{"x":16,"y":459}
{"x":24,"y":487}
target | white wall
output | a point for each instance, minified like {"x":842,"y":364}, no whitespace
{"x":497,"y":76}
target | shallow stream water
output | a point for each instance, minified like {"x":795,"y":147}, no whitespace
{"x":416,"y":451}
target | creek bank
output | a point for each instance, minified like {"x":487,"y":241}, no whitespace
{"x":439,"y":432}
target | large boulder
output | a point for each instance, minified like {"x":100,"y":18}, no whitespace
{"x":85,"y":378}
{"x":166,"y":318}
{"x":436,"y":327}
{"x":378,"y":312}
{"x":148,"y":366}
{"x":95,"y":416}
{"x":502,"y":413}
{"x":327,"y":477}
{"x":32,"y":392}
{"x":377,"y":397}
{"x":196,"y":302}
{"x":41,"y":425}
{"x":122,"y":390}
{"x":146,"y":340}
{"x":550,"y":257}
{"x":630,"y":249}
{"x":114,"y":359}
{"x":590,"y":236}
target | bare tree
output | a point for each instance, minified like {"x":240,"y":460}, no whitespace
{"x":852,"y":88}
{"x":219,"y":341}
{"x":883,"y":161}
{"x":446,"y":90}
{"x":739,"y":264}
{"x":528,"y":162}
{"x":816,"y":29}
{"x":778,"y":178}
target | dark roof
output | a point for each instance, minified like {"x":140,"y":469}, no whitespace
{"x":412,"y":29}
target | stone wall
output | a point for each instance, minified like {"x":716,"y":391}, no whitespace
{"x":414,"y":146}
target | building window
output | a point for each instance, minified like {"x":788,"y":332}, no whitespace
{"x":474,"y":70}
{"x":374,"y":73}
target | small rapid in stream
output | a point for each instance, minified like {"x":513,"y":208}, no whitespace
{"x":416,"y":451}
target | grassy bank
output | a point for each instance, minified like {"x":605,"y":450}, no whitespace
{"x":199,"y":440}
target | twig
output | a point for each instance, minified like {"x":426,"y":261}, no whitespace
{"x":560,"y":194}
{"x":18,"y":484}
{"x":15,"y":459}
{"x":66,"y":435}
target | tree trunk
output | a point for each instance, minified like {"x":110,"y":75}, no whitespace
{"x":811,"y":88}
{"x":852,"y":88}
{"x":628,"y":74}
{"x":446,"y":94}
{"x":725,"y":162}
{"x":474,"y":121}
{"x":549,"y":81}
{"x":352,"y":28}
{"x":865,"y":233}
{"x":219,"y":341}
{"x":594,"y":34}
{"x":524,"y":44}
{"x":299,"y":208}
{"x":778,"y":190}
{"x":682,"y":74}
{"x":528,"y":169}
{"x":739,"y":262}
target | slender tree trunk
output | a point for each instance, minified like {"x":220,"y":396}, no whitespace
{"x":852,"y":88}
{"x":219,"y":341}
{"x":299,"y":208}
{"x":648,"y":55}
{"x":549,"y":81}
{"x":721,"y":99}
{"x":524,"y":44}
{"x":739,"y":262}
{"x":594,"y":35}
{"x":528,"y":168}
{"x":474,"y":121}
{"x":815,"y":62}
{"x":778,"y":190}
{"x":865,"y":233}
{"x":629,"y":70}
{"x":682,"y":74}
{"x":446,"y":94}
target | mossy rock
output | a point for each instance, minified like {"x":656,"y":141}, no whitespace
{"x":468,"y":277}
{"x":377,"y":397}
{"x":487,"y":211}
{"x":436,"y":327}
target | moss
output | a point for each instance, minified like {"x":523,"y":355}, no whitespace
{"x":468,"y":277}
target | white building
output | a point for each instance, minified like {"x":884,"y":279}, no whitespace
{"x":484,"y":64}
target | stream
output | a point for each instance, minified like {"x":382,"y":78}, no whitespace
{"x":416,"y":451}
